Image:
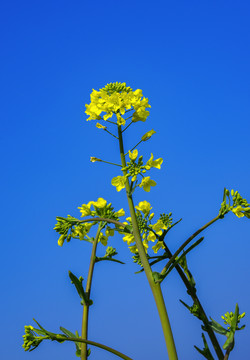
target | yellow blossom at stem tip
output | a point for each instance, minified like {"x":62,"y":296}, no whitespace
{"x":100,"y":203}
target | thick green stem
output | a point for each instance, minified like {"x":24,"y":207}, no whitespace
{"x":155,"y":287}
{"x":85,"y":317}
{"x":191,"y":291}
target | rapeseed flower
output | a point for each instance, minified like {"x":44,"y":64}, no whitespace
{"x":119,"y":182}
{"x":116,"y":99}
{"x":133,"y":154}
{"x":144,"y":207}
{"x":148,"y":135}
{"x":146,"y":183}
{"x":153,"y":163}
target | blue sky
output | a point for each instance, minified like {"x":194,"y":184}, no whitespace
{"x":191,"y":59}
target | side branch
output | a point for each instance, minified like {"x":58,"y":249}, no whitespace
{"x":172,"y":259}
{"x":107,"y":348}
{"x":115,"y":222}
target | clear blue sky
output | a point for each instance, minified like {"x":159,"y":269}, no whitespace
{"x":191,"y":58}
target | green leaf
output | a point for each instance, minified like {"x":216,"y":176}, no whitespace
{"x":229,"y":344}
{"x":217,"y":327}
{"x":97,"y":259}
{"x":72,"y":335}
{"x":157,"y":277}
{"x":205,"y":352}
{"x":127,"y":229}
{"x":79,"y":288}
{"x":235,"y":319}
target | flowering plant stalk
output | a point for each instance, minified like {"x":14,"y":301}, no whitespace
{"x":142,"y":234}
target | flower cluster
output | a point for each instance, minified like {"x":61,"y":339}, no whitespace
{"x":228,"y":318}
{"x":235,"y":203}
{"x":149,"y":232}
{"x":71,"y":227}
{"x":134,"y":169}
{"x":30,"y":339}
{"x":117,"y":98}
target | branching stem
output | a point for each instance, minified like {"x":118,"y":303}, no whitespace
{"x":155,"y":287}
{"x":172,"y":259}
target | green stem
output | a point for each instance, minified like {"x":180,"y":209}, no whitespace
{"x":110,"y":163}
{"x":172,"y":259}
{"x":227,"y":355}
{"x":85,"y":317}
{"x":191,"y":291}
{"x":127,"y":126}
{"x":155,"y":287}
{"x":104,"y":347}
{"x":134,"y":146}
{"x":111,"y":133}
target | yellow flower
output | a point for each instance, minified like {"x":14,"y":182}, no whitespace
{"x":85,"y":209}
{"x":238,"y":211}
{"x":61,"y":240}
{"x":118,"y":182}
{"x":109,"y":232}
{"x":144,"y":207}
{"x":145,"y":244}
{"x":100,"y":126}
{"x":120,"y":120}
{"x":94,"y":159}
{"x":151,"y":216}
{"x":148,"y":135}
{"x":153,"y":163}
{"x":81,"y":231}
{"x":140,"y":115}
{"x":103,"y":239}
{"x":159,"y":245}
{"x":129,"y":238}
{"x":151,"y":236}
{"x":100,"y":203}
{"x":147,"y":183}
{"x":116,"y":98}
{"x":133,"y":249}
{"x":133,"y":154}
{"x":120,"y":213}
{"x":159,"y":225}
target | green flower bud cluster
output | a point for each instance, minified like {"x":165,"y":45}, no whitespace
{"x":228,"y":318}
{"x":30,"y":340}
{"x":142,"y":221}
{"x":116,"y":87}
{"x":133,"y":169}
{"x":71,"y":227}
{"x":166,"y":219}
{"x":110,"y":252}
{"x":137,"y":260}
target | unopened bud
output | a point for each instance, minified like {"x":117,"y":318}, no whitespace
{"x":94,"y":159}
